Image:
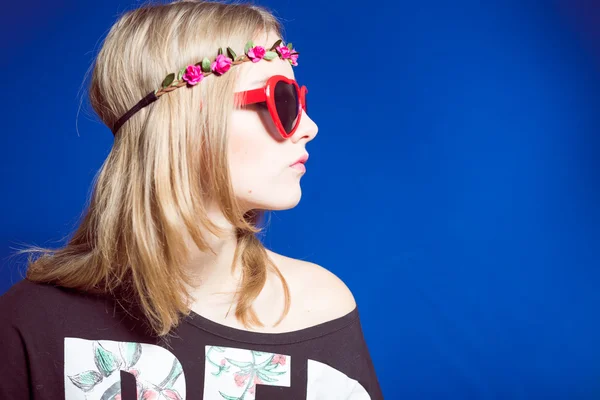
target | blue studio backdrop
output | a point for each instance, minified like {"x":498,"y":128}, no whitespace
{"x":453,"y":184}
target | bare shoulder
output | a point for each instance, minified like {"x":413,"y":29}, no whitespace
{"x":317,"y":294}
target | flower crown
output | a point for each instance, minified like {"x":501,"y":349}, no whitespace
{"x":193,"y":74}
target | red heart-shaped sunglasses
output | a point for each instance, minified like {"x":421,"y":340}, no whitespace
{"x":284,"y":99}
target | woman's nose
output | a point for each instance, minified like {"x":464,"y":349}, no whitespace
{"x":307,"y":129}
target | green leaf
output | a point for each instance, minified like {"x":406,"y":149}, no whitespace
{"x":248,"y":46}
{"x":239,"y":364}
{"x":168,"y":80}
{"x":271,"y":366}
{"x":219,"y":349}
{"x":269,"y":55}
{"x":112,"y":392}
{"x":180,"y":73}
{"x":87,"y":380}
{"x":257,"y":353}
{"x":231,"y":53}
{"x":266,"y":362}
{"x":220,"y":50}
{"x":205,"y":65}
{"x":176,"y":370}
{"x":130,"y":352}
{"x":106,"y":362}
{"x":277,"y":43}
{"x":265,"y":377}
{"x":228,"y":397}
{"x":289,"y":46}
{"x":272,"y":373}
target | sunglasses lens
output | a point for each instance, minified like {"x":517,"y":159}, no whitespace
{"x":287,"y":104}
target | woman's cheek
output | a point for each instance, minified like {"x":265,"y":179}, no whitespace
{"x":242,"y":150}
{"x":246,"y":137}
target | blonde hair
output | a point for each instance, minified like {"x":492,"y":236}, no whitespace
{"x":167,"y":163}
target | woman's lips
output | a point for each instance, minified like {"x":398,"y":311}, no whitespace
{"x":302,"y":159}
{"x":299,"y":166}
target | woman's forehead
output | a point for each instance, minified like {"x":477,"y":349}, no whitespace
{"x":255,"y":75}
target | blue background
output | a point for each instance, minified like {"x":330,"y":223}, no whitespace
{"x":453,"y":185}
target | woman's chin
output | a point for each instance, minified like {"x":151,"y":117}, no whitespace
{"x":279,"y":202}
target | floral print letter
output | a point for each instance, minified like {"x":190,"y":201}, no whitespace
{"x":325,"y":382}
{"x":232,"y":374}
{"x":92,"y":370}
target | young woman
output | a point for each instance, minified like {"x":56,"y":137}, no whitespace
{"x":164,"y":291}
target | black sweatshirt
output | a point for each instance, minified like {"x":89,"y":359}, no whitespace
{"x":59,"y":343}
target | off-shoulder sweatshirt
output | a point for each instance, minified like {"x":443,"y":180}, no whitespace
{"x":58,"y":343}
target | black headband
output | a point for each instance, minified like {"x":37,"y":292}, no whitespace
{"x":150,"y":98}
{"x":193,"y":74}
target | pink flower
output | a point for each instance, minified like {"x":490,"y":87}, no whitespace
{"x":240,"y":380}
{"x":193,"y":74}
{"x":223,"y":362}
{"x":221,"y":64}
{"x":278,"y":359}
{"x":256,"y":53}
{"x":294,"y":58}
{"x":170,"y":394}
{"x":118,"y":396}
{"x":134,"y":372}
{"x":285,"y":52}
{"x":257,"y":381}
{"x":149,"y":394}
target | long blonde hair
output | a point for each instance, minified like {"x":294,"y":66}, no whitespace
{"x":167,"y":163}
